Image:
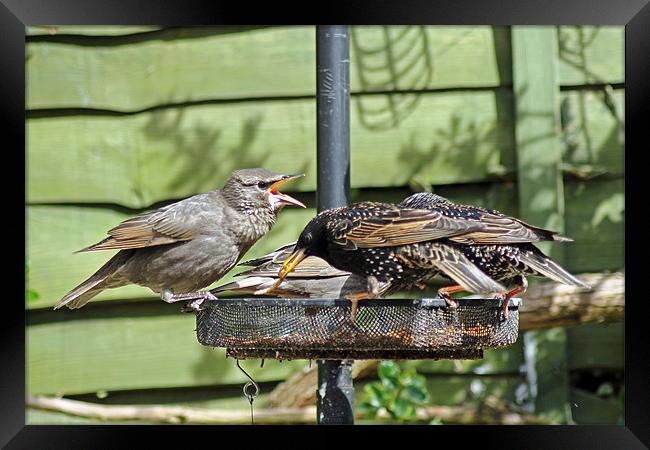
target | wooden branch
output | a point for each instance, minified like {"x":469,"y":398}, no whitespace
{"x":545,"y":305}
{"x":548,"y":305}
{"x":490,"y":411}
{"x":173,"y":414}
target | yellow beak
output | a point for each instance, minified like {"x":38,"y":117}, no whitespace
{"x":287,"y":266}
{"x":290,"y":263}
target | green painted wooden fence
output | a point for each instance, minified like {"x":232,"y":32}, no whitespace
{"x":527,"y":120}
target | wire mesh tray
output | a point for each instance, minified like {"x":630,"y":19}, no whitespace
{"x":384,"y":328}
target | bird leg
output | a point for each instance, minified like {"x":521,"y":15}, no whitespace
{"x":445,"y":294}
{"x":523,"y":285}
{"x":372,"y":291}
{"x":372,"y":284}
{"x":197,"y":299}
{"x":354,"y":300}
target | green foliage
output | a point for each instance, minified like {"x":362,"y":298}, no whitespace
{"x":30,"y":294}
{"x":399,"y":391}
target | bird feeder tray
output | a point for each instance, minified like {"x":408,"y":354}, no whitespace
{"x":286,"y":329}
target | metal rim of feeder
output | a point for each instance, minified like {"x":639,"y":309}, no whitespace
{"x":424,"y":328}
{"x":374,"y":303}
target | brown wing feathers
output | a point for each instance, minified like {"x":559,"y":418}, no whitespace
{"x":499,"y":229}
{"x":392,"y":227}
{"x":400,"y":227}
{"x":146,"y":230}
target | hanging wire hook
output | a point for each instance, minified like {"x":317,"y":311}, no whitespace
{"x":249,"y":395}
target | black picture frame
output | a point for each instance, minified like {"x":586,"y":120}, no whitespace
{"x":633,"y":14}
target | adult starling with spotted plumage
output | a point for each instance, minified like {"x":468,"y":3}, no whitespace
{"x":186,"y":246}
{"x":507,"y":263}
{"x":385,"y":243}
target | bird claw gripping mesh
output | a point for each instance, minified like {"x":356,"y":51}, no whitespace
{"x":383,"y":329}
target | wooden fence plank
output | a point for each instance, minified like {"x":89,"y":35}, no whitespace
{"x":595,"y":218}
{"x":593,"y":133}
{"x":541,"y":195}
{"x":197,"y":64}
{"x":591,"y":54}
{"x":128,"y":346}
{"x":132,"y":161}
{"x":536,"y":129}
{"x":429,"y":58}
{"x":173,"y":153}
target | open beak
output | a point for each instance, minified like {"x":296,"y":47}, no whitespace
{"x":281,"y":198}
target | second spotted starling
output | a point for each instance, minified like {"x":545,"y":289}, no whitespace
{"x":507,"y":263}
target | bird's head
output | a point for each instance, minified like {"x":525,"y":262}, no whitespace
{"x":255,"y":189}
{"x":312,"y":242}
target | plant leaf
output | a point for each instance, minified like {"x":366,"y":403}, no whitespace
{"x":388,"y":370}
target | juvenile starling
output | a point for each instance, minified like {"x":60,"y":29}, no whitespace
{"x":313,"y":277}
{"x":386,"y":243}
{"x":183,"y":247}
{"x":505,"y":263}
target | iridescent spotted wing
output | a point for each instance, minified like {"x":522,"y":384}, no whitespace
{"x":385,"y":226}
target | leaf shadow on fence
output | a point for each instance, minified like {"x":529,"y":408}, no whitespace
{"x":454,"y":147}
{"x":597,"y":215}
{"x":201,"y":160}
{"x":573,"y":52}
{"x":403,"y":63}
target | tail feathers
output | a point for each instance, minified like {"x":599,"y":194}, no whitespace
{"x":550,"y":269}
{"x":560,"y":238}
{"x":90,"y":248}
{"x":99,"y":281}
{"x":548,"y":235}
{"x":82,"y":294}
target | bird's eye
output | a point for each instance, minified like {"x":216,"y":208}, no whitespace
{"x":262,"y":185}
{"x":307,"y":239}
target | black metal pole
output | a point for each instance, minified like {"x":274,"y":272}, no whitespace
{"x":335,"y":393}
{"x":333,"y":105}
